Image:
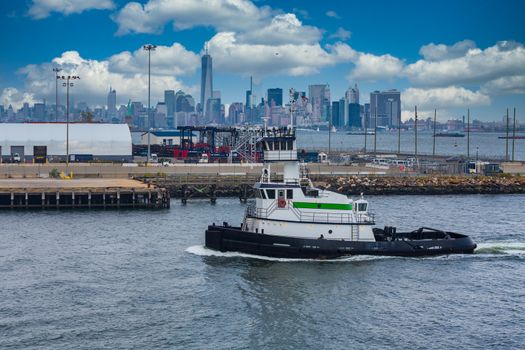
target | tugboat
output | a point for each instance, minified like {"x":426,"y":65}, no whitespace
{"x":293,"y":219}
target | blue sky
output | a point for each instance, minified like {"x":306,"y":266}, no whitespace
{"x":450,"y":55}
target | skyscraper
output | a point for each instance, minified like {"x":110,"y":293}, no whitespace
{"x":112,"y":103}
{"x":352,"y":95}
{"x":206,"y":82}
{"x":354,"y":115}
{"x":387,"y":106}
{"x":319,"y":96}
{"x":169,"y":100}
{"x":275,"y":97}
{"x":335,"y":114}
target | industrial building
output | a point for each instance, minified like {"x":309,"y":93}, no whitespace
{"x":42,"y":142}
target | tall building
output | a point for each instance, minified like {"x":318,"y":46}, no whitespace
{"x":366,"y":116}
{"x":335,"y":114}
{"x":184,"y":102}
{"x":275,"y":97}
{"x":352,"y":94}
{"x":112,"y":103}
{"x":206,"y":82}
{"x":319,"y":96}
{"x":386,"y":105}
{"x":354,"y":112}
{"x":235,"y":113}
{"x":169,"y":101}
{"x":39,"y":112}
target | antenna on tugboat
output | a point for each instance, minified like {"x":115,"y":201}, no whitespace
{"x":292,"y":102}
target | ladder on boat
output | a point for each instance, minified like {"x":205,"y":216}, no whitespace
{"x":354,"y":232}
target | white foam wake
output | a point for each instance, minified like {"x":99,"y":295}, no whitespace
{"x":203,"y":251}
{"x":503,"y":247}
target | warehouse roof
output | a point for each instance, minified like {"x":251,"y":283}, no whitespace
{"x":84,"y":138}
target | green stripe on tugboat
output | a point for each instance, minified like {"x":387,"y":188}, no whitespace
{"x":329,"y":206}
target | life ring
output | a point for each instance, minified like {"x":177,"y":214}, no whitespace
{"x":281,"y":203}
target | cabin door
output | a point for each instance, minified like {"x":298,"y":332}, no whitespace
{"x":281,"y":200}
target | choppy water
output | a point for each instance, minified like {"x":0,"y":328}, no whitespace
{"x":141,"y":279}
{"x":487,"y":145}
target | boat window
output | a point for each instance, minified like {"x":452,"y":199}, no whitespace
{"x":271,"y":194}
{"x":361,"y":207}
{"x":290,"y":145}
{"x":281,"y":193}
{"x":289,"y":194}
{"x":283,"y":145}
{"x":263,"y":194}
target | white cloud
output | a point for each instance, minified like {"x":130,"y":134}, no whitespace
{"x":447,"y":97}
{"x":261,"y":60}
{"x":11,"y":96}
{"x":165,"y":60}
{"x":433,"y":52}
{"x":224,"y":15}
{"x":476,"y":66}
{"x":505,"y":85}
{"x":341,"y":33}
{"x":332,"y":14}
{"x":42,"y":8}
{"x":283,"y":29}
{"x":96,"y":77}
{"x":371,"y":67}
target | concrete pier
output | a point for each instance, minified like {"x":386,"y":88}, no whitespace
{"x":81,"y":193}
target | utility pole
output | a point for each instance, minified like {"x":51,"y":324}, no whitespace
{"x":366,"y":128}
{"x":56,"y":70}
{"x":434,"y":136}
{"x":468,"y":134}
{"x":513,"y":133}
{"x":415,"y":130}
{"x":330,"y":134}
{"x":149,"y":48}
{"x":67,"y":84}
{"x":507,"y":138}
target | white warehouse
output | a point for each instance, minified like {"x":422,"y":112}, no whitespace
{"x":47,"y":141}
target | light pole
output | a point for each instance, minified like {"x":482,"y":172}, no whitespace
{"x":67,"y":84}
{"x":56,"y":70}
{"x":415,"y":131}
{"x":149,"y":48}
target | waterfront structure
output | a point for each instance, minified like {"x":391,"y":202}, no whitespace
{"x":47,"y":141}
{"x":275,"y":97}
{"x":319,"y":98}
{"x":164,"y":137}
{"x":206,"y":82}
{"x":386,"y":105}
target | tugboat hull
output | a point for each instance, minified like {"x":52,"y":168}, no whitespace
{"x":228,"y":238}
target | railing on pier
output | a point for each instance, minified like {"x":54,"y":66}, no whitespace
{"x":311,"y":216}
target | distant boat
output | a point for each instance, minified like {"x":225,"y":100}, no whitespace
{"x":512,"y":137}
{"x":333,"y":129}
{"x":450,"y":134}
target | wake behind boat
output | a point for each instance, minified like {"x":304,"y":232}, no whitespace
{"x":294,"y":219}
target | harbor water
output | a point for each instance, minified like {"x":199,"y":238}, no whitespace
{"x":486,"y":145}
{"x":142,"y":279}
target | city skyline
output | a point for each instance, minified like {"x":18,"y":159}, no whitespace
{"x":460,"y":66}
